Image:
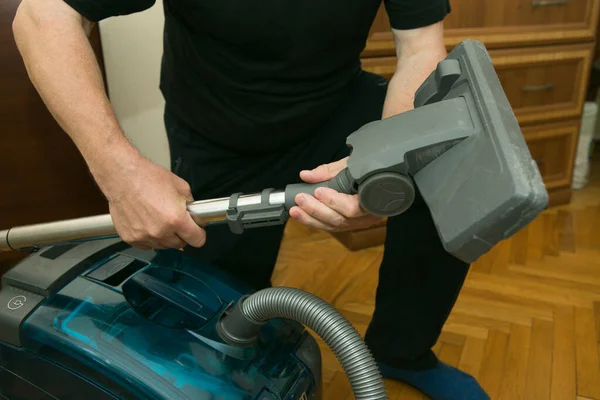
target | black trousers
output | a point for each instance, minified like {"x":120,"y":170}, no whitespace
{"x":418,"y":280}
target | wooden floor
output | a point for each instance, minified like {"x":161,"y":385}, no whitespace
{"x":527,"y":323}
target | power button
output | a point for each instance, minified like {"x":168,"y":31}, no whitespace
{"x":15,"y":306}
{"x":16,"y":302}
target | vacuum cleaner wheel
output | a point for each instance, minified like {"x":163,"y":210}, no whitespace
{"x":386,"y":194}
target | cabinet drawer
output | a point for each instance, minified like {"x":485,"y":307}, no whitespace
{"x":507,"y":23}
{"x":541,"y":84}
{"x":552,"y":146}
{"x":521,"y":22}
{"x":544,"y":83}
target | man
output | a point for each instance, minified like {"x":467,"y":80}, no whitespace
{"x":261,"y":93}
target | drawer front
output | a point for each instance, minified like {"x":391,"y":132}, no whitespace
{"x":544,"y":83}
{"x":507,"y":23}
{"x":552,"y":147}
{"x":541,"y":84}
{"x":517,"y":13}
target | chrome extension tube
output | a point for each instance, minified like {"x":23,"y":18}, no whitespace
{"x":204,"y":212}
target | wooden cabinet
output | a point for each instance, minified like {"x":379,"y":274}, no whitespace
{"x":542,"y":51}
{"x":504,"y":23}
{"x":510,"y":23}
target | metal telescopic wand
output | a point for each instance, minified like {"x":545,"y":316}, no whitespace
{"x":30,"y":238}
{"x":239,"y":211}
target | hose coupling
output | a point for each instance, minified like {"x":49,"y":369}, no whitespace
{"x":238,"y":329}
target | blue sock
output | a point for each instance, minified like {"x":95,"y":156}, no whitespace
{"x":441,"y":382}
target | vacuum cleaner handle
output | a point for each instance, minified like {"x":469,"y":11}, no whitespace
{"x":341,"y":183}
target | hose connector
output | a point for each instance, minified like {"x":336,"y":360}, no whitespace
{"x":238,"y":329}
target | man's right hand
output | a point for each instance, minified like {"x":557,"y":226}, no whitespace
{"x":148,"y":205}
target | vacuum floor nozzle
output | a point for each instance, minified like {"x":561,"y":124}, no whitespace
{"x":487,"y":187}
{"x":465,"y":152}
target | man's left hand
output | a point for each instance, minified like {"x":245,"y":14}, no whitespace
{"x":330,"y":210}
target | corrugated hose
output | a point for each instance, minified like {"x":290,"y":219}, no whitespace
{"x":241,"y":327}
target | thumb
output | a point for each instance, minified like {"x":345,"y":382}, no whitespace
{"x":323,"y":172}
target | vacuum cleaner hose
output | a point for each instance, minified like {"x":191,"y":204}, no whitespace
{"x":241,"y":327}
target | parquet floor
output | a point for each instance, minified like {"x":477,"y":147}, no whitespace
{"x":527,"y":323}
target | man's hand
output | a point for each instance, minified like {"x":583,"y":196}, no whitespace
{"x":148,"y":205}
{"x":329,"y":210}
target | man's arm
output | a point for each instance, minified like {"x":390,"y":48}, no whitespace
{"x":418,"y":51}
{"x":147,"y":202}
{"x":52,"y":39}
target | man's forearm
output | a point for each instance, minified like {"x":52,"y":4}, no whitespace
{"x":418,"y":53}
{"x":63,"y":68}
{"x":409,"y":75}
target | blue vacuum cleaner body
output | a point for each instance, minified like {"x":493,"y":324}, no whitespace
{"x":102,"y":320}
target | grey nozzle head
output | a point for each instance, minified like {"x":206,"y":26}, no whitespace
{"x":236,"y":329}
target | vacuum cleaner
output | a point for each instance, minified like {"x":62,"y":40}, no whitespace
{"x":85,"y":315}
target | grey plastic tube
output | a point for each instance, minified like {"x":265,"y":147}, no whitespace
{"x":311,"y":311}
{"x":342,"y":183}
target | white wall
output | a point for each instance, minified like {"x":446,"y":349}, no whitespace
{"x":132,"y":47}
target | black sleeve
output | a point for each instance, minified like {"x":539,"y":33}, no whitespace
{"x":96,"y":10}
{"x":411,"y":14}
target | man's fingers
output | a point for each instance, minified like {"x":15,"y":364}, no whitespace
{"x":183,"y":188}
{"x":319,"y":211}
{"x":323,"y":172}
{"x":346,"y":205}
{"x":303,"y":217}
{"x":366,"y":221}
{"x":187,"y":193}
{"x":191,"y":233}
{"x":172,"y":242}
{"x":319,"y":174}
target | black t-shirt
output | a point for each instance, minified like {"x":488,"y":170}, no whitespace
{"x":257,"y":74}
